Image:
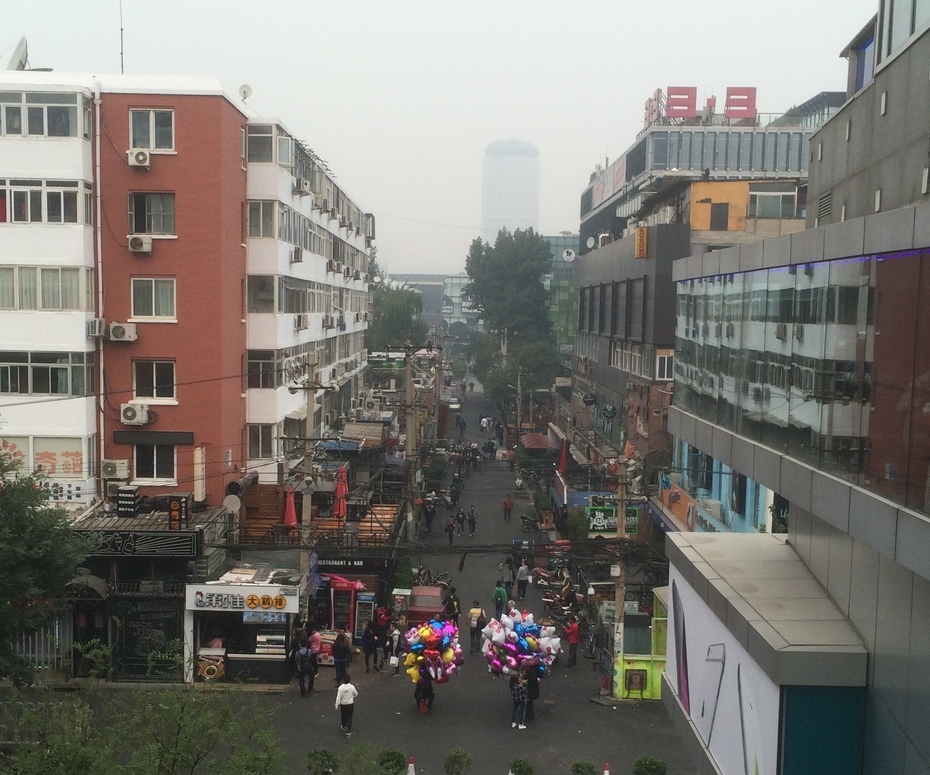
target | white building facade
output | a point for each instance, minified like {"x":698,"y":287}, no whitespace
{"x":510,"y":188}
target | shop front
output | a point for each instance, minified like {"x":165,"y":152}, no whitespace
{"x":240,"y":631}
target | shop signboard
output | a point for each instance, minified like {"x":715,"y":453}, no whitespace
{"x":138,"y":543}
{"x":732,"y":703}
{"x":242,"y":597}
{"x":601,"y":519}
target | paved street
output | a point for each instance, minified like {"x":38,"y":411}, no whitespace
{"x":473,"y":709}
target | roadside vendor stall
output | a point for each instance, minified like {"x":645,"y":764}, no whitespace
{"x":239,"y":626}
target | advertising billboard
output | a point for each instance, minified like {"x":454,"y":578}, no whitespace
{"x":733,"y":704}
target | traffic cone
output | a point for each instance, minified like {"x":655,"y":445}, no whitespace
{"x":606,"y":768}
{"x":411,"y":770}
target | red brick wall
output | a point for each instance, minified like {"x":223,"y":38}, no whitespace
{"x":208,"y":260}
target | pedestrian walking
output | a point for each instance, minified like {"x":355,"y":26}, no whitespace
{"x":395,"y":641}
{"x":476,"y":621}
{"x":518,"y":703}
{"x":429,"y":514}
{"x":451,"y":607}
{"x":507,"y":506}
{"x":509,"y":574}
{"x":345,"y":703}
{"x":573,"y":634}
{"x":460,"y":521}
{"x":462,"y":430}
{"x":303,"y":661}
{"x":531,"y":677}
{"x":370,"y":646}
{"x":341,"y":655}
{"x":484,"y":425}
{"x":472,"y":520}
{"x":298,"y":637}
{"x":523,"y":579}
{"x":450,"y":529}
{"x":314,"y":643}
{"x":498,"y":598}
{"x":424,"y":695}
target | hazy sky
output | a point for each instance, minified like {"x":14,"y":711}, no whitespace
{"x":401,"y":98}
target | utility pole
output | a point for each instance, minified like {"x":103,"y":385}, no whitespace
{"x":411,"y":431}
{"x":618,"y":571}
{"x":519,"y":402}
{"x":437,"y":392}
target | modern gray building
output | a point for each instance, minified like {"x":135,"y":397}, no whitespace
{"x":510,"y":188}
{"x":819,"y":391}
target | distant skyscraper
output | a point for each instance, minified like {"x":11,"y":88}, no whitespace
{"x":510,"y":194}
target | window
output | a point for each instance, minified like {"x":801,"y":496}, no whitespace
{"x":153,"y":379}
{"x":261,"y":369}
{"x":37,"y":201}
{"x":665,"y":367}
{"x":152,"y":129}
{"x":261,"y":442}
{"x":60,"y":288}
{"x":61,"y":206}
{"x":47,"y":114}
{"x":261,"y":219}
{"x":26,"y":373}
{"x":153,"y":297}
{"x":154,"y":462}
{"x":151,"y":214}
{"x":260,"y":292}
{"x":261,"y":147}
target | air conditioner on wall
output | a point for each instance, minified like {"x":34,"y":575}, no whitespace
{"x":134,"y":414}
{"x":302,"y":321}
{"x":115,"y":469}
{"x":140,"y":243}
{"x":123,"y":332}
{"x":297,"y":255}
{"x":96,"y":327}
{"x":139,"y":158}
{"x":113,"y":486}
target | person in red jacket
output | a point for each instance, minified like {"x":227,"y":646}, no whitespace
{"x":574,"y":638}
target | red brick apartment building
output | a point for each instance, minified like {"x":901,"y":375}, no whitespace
{"x":173,"y":255}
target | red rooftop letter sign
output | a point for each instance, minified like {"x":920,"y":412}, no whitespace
{"x":681,"y":102}
{"x":741,"y":102}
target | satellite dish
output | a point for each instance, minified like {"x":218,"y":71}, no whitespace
{"x":590,"y":243}
{"x":20,"y":56}
{"x":568,"y":255}
{"x":232,"y":503}
{"x":245,"y":91}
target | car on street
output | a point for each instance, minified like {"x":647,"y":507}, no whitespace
{"x":455,"y":405}
{"x":425,"y":603}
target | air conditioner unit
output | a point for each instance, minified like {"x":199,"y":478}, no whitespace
{"x":781,"y":330}
{"x":96,"y":327}
{"x":139,"y":158}
{"x":134,"y":414}
{"x":368,"y":242}
{"x":325,"y":206}
{"x":113,"y":487}
{"x":302,"y":187}
{"x":328,"y":321}
{"x":338,"y":268}
{"x":347,"y":270}
{"x":330,"y":266}
{"x":302,"y":321}
{"x":356,"y":275}
{"x":799,"y":331}
{"x":297,"y":255}
{"x":358,"y":317}
{"x":115,"y":469}
{"x":332,"y":214}
{"x":123,"y":332}
{"x":140,"y":243}
{"x":731,"y":330}
{"x":713,"y":507}
{"x":366,"y":316}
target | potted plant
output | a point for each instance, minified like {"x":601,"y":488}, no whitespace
{"x":521,"y":767}
{"x":322,"y":761}
{"x":457,"y":762}
{"x":392,"y":761}
{"x":649,"y":765}
{"x":584,"y":768}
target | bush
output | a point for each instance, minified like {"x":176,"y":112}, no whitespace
{"x":542,"y":502}
{"x":392,"y":761}
{"x":649,"y":765}
{"x":521,"y":767}
{"x":457,"y":762}
{"x":322,"y":761}
{"x":584,"y":768}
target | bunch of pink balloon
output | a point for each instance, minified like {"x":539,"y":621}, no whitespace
{"x":433,"y":651}
{"x":516,"y":643}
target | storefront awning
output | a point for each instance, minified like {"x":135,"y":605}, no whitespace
{"x":298,"y":414}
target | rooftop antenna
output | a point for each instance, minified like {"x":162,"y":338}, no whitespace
{"x":20,"y":58}
{"x":245,"y":91}
{"x":121,"y":70}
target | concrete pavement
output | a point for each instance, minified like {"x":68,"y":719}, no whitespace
{"x":473,"y":709}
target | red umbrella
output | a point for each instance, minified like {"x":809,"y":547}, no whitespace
{"x":290,"y":510}
{"x":342,"y":490}
{"x":563,"y":458}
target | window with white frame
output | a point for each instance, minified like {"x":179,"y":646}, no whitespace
{"x":151,"y":129}
{"x":39,"y":114}
{"x":154,"y":463}
{"x":151,"y":213}
{"x":46,"y":373}
{"x":38,"y":201}
{"x":665,"y":367}
{"x":261,"y":219}
{"x":61,"y":201}
{"x":261,"y":442}
{"x":153,"y":297}
{"x":261,"y":143}
{"x":153,"y":380}
{"x":46,"y":288}
{"x":60,"y":288}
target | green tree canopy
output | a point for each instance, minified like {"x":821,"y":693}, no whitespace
{"x":39,"y":556}
{"x":507,"y":283}
{"x":395,"y":319}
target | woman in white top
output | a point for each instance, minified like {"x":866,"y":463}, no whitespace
{"x":345,"y":703}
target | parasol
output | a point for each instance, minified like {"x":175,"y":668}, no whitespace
{"x":342,"y":490}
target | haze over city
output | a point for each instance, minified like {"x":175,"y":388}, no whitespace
{"x":401,"y":99}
